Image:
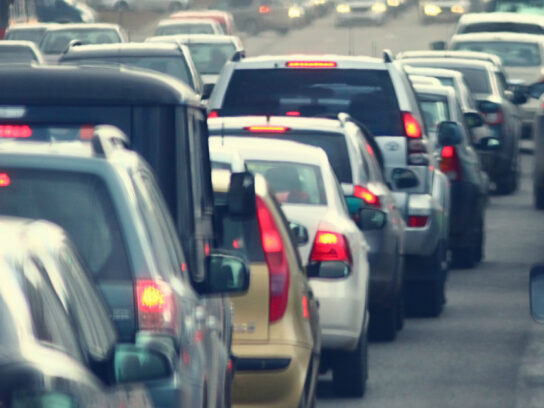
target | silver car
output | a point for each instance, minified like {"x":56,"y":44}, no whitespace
{"x":331,"y":245}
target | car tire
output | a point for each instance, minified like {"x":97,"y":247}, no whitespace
{"x":350,"y":370}
{"x":383,"y":324}
{"x":464,"y":257}
{"x":539,"y":197}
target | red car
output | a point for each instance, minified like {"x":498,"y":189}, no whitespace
{"x":222,"y":17}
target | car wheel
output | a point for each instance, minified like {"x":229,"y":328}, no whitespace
{"x":539,"y":197}
{"x":383,"y":324}
{"x":465,"y":257}
{"x":350,"y":370}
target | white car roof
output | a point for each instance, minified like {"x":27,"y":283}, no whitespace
{"x":295,"y":123}
{"x":447,"y":91}
{"x":430,"y":71}
{"x":186,"y":21}
{"x":515,"y":37}
{"x":471,"y":18}
{"x":280,"y":61}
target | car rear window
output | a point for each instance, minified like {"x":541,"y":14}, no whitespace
{"x":292,"y":183}
{"x":209,"y":59}
{"x":367,"y":95}
{"x":191,"y":28}
{"x":55,"y":42}
{"x":512,"y":53}
{"x":435,"y":110}
{"x":505,"y":26}
{"x":84,"y":209}
{"x":16,"y":54}
{"x":25,"y":35}
{"x":477,"y":79}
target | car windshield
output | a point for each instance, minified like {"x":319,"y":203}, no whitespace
{"x":435,"y":110}
{"x":210,"y":58}
{"x":84,"y":210}
{"x":494,"y":27}
{"x":292,"y":183}
{"x":185,"y":28}
{"x":512,"y":54}
{"x":56,"y":41}
{"x":367,"y":95}
{"x":16,"y":54}
{"x":517,"y":6}
{"x":33,"y":35}
{"x":174,"y":66}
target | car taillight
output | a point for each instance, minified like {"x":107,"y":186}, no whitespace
{"x":450,"y":164}
{"x":329,"y":247}
{"x":292,"y":113}
{"x":264,"y":9}
{"x":411,"y":125}
{"x":267,"y":129}
{"x":15,"y":131}
{"x":5,"y":181}
{"x":367,"y":196}
{"x":213,"y":114}
{"x":495,"y":118}
{"x":417,"y":221}
{"x":310,"y":64}
{"x":156,"y":306}
{"x":276,"y":260}
{"x":417,"y":146}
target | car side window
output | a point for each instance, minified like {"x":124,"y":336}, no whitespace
{"x":466,"y":131}
{"x":501,"y":82}
{"x":50,"y":322}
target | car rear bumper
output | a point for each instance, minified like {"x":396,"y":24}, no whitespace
{"x":422,"y":241}
{"x":269,"y":375}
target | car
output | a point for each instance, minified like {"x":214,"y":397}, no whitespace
{"x":188,"y":26}
{"x":123,"y":6}
{"x":442,"y":10}
{"x":498,"y":106}
{"x":27,"y":32}
{"x":423,"y":80}
{"x":209,"y":53}
{"x":460,"y":162}
{"x":531,"y":7}
{"x":536,"y":92}
{"x":352,"y":11}
{"x":377,"y":93}
{"x":304,"y":183}
{"x":224,"y":18}
{"x":443,"y":53}
{"x":56,"y":39}
{"x":173,"y":60}
{"x":20,"y":52}
{"x":352,"y":154}
{"x":58,"y":343}
{"x":276,"y":336}
{"x":522,"y":57}
{"x":110,"y":197}
{"x":500,"y":22}
{"x":64,"y":11}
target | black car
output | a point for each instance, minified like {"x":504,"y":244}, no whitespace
{"x":61,"y":351}
{"x":167,"y":58}
{"x":64,"y":11}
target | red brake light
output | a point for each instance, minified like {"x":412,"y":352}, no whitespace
{"x":264,"y":9}
{"x":305,"y":308}
{"x":411,"y":125}
{"x":267,"y":129}
{"x":15,"y":131}
{"x":292,"y":113}
{"x":213,"y":114}
{"x":450,"y":164}
{"x":156,"y":306}
{"x":367,"y":196}
{"x":417,"y":221}
{"x":311,"y":64}
{"x":330,"y":246}
{"x":4,"y":180}
{"x":276,"y":260}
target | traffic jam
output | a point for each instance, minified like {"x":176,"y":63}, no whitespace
{"x":188,"y":220}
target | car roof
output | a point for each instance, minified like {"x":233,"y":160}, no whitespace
{"x":18,"y":44}
{"x":473,"y":55}
{"x":83,"y":26}
{"x":198,"y":13}
{"x":431,"y":71}
{"x":280,"y":61}
{"x":273,"y":149}
{"x":447,"y":91}
{"x":122,"y":49}
{"x":198,"y":38}
{"x":238,"y":123}
{"x":451,"y":62}
{"x":104,"y":85}
{"x":31,"y":26}
{"x":517,"y":37}
{"x":188,"y":20}
{"x":501,"y":17}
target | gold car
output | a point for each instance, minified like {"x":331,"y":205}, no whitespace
{"x":276,"y":337}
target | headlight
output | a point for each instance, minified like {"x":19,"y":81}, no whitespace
{"x":295,"y":12}
{"x":379,"y":8}
{"x":458,"y":9}
{"x":343,"y":8}
{"x":432,"y":10}
{"x":393,"y":3}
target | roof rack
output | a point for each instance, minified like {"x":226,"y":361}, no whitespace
{"x":107,"y":138}
{"x":387,"y":56}
{"x":238,"y":55}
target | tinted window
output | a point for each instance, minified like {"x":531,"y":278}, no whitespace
{"x":446,"y":81}
{"x":477,"y":79}
{"x":292,"y":183}
{"x":435,"y":110}
{"x":210,"y":58}
{"x":502,"y":27}
{"x":8,"y":328}
{"x":174,"y":66}
{"x":367,"y":95}
{"x":517,"y":6}
{"x":16,"y":54}
{"x":512,"y":54}
{"x":25,"y":35}
{"x":55,"y":42}
{"x":84,"y":209}
{"x":202,"y":28}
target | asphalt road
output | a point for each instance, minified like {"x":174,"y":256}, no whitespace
{"x":484,"y":351}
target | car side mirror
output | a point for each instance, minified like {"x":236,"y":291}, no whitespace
{"x":371,"y":219}
{"x":328,"y":270}
{"x":488,"y":144}
{"x":488,"y":107}
{"x":207,"y":90}
{"x":241,"y":198}
{"x":134,"y":363}
{"x":300,"y":233}
{"x":228,"y":273}
{"x":536,"y":90}
{"x":519,"y":96}
{"x":354,"y":204}
{"x":536,"y":292}
{"x":449,"y":133}
{"x":404,"y":178}
{"x":473,"y":119}
{"x":438,"y":45}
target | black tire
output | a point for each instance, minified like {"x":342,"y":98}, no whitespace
{"x":350,"y":370}
{"x":538,"y":193}
{"x":383,"y":324}
{"x":464,"y":257}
